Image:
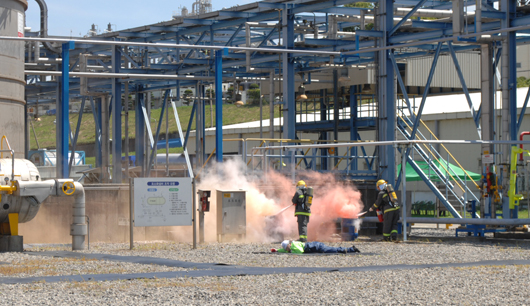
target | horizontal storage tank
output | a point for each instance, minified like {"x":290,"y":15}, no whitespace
{"x":43,"y":157}
{"x":12,"y":73}
{"x":26,"y":207}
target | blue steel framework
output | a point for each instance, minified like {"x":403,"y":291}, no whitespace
{"x":185,"y":48}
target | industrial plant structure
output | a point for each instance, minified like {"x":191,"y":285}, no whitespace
{"x":334,"y":68}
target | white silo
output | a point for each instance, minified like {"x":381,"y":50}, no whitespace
{"x":12,"y":81}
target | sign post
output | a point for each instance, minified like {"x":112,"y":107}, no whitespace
{"x":131,"y":211}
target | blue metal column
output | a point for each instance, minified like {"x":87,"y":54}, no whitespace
{"x":476,"y":117}
{"x":509,"y":100}
{"x":335,"y":115}
{"x":512,"y":77}
{"x":157,"y":134}
{"x":96,"y":110}
{"x":289,"y":109}
{"x":199,"y":125}
{"x":63,"y":123}
{"x":116,"y":117}
{"x":512,"y":84}
{"x":202,"y":88}
{"x":139,"y":126}
{"x":218,"y":70}
{"x":323,"y":135}
{"x":386,"y":95}
{"x":353,"y":124}
{"x":425,"y":94}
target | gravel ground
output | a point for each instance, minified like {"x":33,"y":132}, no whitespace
{"x":477,"y":285}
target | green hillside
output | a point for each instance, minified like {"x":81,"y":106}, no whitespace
{"x":45,"y":128}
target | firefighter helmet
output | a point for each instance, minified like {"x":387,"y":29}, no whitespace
{"x":300,"y":183}
{"x":379,"y":183}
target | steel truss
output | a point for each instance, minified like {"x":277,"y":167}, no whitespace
{"x":284,"y":42}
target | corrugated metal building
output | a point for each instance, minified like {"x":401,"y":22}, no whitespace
{"x":445,"y":74}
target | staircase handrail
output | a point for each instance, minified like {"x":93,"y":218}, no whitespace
{"x":437,"y":156}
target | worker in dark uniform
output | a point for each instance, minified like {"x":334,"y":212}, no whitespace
{"x":302,"y":211}
{"x":390,"y":210}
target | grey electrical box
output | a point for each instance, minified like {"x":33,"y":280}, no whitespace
{"x":231,"y":213}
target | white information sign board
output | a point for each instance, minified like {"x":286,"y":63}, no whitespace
{"x":487,"y":158}
{"x":162,"y":201}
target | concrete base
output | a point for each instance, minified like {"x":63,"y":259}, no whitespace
{"x":11,"y":244}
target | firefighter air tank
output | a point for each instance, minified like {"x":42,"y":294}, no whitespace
{"x":12,"y":81}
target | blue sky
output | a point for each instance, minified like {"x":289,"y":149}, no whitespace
{"x":75,"y":17}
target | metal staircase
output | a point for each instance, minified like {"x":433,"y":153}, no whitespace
{"x":455,"y":191}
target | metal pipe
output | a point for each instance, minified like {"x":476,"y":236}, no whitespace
{"x":272,"y":95}
{"x":402,"y":11}
{"x":44,"y":26}
{"x":262,"y":25}
{"x":131,"y":213}
{"x":88,"y":232}
{"x":481,"y":221}
{"x":247,"y":44}
{"x":120,"y":75}
{"x":388,"y":143}
{"x":404,"y":190}
{"x":115,"y":187}
{"x":78,"y":229}
{"x":166,"y":45}
{"x":442,"y":39}
{"x":521,"y":145}
{"x":478,"y":16}
{"x":126,"y":130}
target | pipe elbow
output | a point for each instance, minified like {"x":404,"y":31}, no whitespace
{"x":44,"y":26}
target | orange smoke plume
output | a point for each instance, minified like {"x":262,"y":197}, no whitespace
{"x":266,"y":196}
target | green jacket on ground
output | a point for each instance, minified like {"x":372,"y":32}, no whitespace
{"x":296,"y":247}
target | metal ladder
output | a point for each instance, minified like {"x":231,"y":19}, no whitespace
{"x":455,"y":187}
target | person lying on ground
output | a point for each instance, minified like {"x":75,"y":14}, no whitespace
{"x":289,"y":246}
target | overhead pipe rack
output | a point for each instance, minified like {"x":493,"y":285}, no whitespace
{"x":283,"y":23}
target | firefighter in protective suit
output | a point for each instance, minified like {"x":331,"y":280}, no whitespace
{"x":302,"y":210}
{"x":390,"y":210}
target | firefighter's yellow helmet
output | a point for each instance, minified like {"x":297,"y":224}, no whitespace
{"x":380,"y":182}
{"x":300,"y":183}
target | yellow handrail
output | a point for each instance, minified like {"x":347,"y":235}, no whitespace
{"x":258,"y":147}
{"x":301,"y":158}
{"x":2,"y":145}
{"x":337,"y":165}
{"x":456,"y":161}
{"x":278,"y":140}
{"x":451,"y":155}
{"x":441,"y":164}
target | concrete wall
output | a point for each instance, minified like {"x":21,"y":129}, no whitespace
{"x":108,"y":212}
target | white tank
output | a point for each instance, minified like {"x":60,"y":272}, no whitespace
{"x":25,"y":170}
{"x":26,"y":207}
{"x":12,"y":84}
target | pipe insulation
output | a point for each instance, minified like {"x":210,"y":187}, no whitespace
{"x":78,"y":229}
